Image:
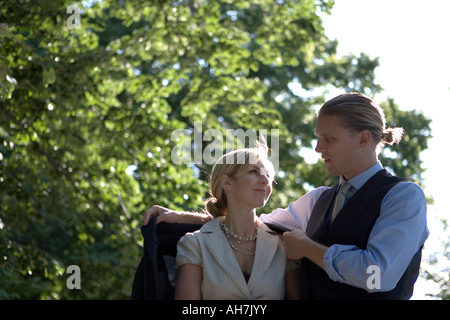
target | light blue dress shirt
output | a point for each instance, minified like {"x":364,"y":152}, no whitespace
{"x":399,"y":232}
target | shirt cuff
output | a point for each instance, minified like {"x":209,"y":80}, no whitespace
{"x":329,"y":258}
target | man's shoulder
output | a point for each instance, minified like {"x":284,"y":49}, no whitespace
{"x":308,"y":200}
{"x":407,"y":187}
{"x":316,"y":193}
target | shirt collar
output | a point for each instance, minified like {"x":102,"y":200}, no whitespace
{"x":359,"y":180}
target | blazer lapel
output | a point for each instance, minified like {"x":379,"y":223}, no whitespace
{"x":219,"y":248}
{"x":266,"y":247}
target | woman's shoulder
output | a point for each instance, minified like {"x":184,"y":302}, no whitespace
{"x":207,"y":228}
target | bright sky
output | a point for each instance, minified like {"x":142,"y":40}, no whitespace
{"x":411,"y":39}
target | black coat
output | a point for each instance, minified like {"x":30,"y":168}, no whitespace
{"x":151,"y":280}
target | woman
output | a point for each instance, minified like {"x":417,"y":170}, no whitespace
{"x":235,"y":256}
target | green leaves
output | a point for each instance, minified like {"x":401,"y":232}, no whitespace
{"x":49,"y":76}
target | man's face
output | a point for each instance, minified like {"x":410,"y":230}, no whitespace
{"x":339,"y":147}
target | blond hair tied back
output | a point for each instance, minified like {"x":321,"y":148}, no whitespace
{"x":215,"y":207}
{"x":392,"y":135}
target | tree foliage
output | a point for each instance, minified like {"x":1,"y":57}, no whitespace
{"x":82,"y":106}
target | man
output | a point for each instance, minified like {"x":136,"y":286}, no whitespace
{"x":361,"y":239}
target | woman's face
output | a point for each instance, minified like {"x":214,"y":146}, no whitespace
{"x":253,"y":187}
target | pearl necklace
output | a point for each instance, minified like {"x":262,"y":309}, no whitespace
{"x":228,"y":232}
{"x":234,"y":240}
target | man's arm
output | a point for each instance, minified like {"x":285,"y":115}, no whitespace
{"x":172,"y":216}
{"x":296,"y":215}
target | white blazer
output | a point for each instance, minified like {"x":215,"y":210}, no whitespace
{"x":222,"y":275}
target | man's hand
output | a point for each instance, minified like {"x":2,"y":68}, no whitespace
{"x":162,"y":214}
{"x":293,"y":244}
{"x":298,"y":245}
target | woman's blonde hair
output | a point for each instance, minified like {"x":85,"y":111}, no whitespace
{"x":234,"y":164}
{"x":359,"y":113}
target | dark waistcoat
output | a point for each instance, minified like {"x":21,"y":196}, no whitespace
{"x":352,"y":226}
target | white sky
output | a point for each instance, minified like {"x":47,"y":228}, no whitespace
{"x":411,"y":38}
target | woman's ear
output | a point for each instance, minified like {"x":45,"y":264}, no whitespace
{"x":225,"y":182}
